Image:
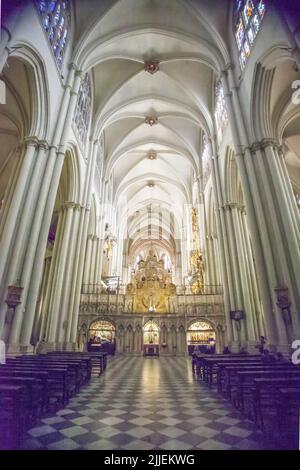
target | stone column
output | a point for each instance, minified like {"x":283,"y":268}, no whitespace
{"x":169,"y":341}
{"x":24,"y":246}
{"x":81,"y":243}
{"x":250,"y":190}
{"x":68,"y":274}
{"x":25,"y":172}
{"x":44,"y":210}
{"x":39,"y":321}
{"x":87,"y":266}
{"x":283,"y":253}
{"x":122,"y":339}
{"x":97,"y":277}
{"x":55,"y":311}
{"x":222,"y":237}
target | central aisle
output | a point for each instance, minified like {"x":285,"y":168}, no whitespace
{"x":145,"y":403}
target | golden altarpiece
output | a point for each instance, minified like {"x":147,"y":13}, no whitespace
{"x":151,"y":286}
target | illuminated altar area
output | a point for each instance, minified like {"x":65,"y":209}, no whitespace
{"x":151,"y":286}
{"x":160,"y":305}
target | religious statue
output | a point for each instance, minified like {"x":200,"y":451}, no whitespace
{"x":196,"y":259}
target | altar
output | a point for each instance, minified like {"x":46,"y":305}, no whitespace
{"x":151,"y":350}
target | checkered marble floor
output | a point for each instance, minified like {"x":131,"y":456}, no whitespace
{"x":145,"y":403}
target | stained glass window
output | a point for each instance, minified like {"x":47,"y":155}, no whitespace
{"x":221,"y":115}
{"x":55,"y":17}
{"x":83,"y":109}
{"x":247,"y":21}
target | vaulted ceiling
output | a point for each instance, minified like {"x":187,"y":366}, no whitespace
{"x":154,"y":65}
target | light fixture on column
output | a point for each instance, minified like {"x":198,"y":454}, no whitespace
{"x":151,"y":120}
{"x":152,"y":66}
{"x":152,"y":155}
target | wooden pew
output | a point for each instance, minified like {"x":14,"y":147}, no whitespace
{"x":210,"y":365}
{"x":288,"y":416}
{"x":61,"y":382}
{"x":227,"y":373}
{"x":41,"y":376}
{"x":44,"y":379}
{"x":246,"y":381}
{"x":12,"y":415}
{"x":266,"y":394}
{"x":75,"y":374}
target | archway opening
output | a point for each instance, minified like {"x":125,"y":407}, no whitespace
{"x":101,"y":336}
{"x":201,"y":337}
{"x":151,"y":338}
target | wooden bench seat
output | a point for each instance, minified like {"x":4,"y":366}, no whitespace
{"x":227,"y":374}
{"x":246,"y":380}
{"x":13,"y":400}
{"x":33,"y":384}
{"x":209,"y":366}
{"x":266,"y":397}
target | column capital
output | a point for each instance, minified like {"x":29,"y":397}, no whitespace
{"x":241,"y":152}
{"x":68,"y":205}
{"x":43,"y":144}
{"x":31,"y":140}
{"x":227,"y":67}
{"x":263,"y":144}
{"x":78,"y":72}
{"x":269,"y":143}
{"x":73,"y":66}
{"x":78,"y":206}
{"x":233,"y":205}
{"x":61,"y":149}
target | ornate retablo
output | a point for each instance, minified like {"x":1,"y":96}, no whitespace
{"x":151,"y":286}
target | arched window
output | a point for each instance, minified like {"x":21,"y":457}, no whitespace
{"x":83,"y":109}
{"x":56,"y":20}
{"x":248,"y":15}
{"x":221,"y":115}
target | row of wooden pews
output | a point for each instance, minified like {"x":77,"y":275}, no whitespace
{"x":34,"y":385}
{"x":265,"y":391}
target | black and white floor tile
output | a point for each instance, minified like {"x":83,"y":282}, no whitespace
{"x":145,"y":403}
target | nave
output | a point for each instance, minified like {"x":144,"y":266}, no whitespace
{"x":146,"y":403}
{"x":149,"y":206}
